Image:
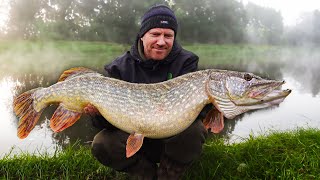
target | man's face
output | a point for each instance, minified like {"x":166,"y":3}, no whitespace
{"x":157,"y":43}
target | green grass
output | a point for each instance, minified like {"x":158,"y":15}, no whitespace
{"x":213,"y":55}
{"x":286,"y":155}
{"x":75,"y":162}
{"x":55,"y":56}
{"x":51,"y":58}
{"x":280,"y":155}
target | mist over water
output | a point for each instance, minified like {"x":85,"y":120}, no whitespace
{"x":41,"y":66}
{"x":42,"y":138}
{"x":300,"y":69}
{"x":305,"y":70}
{"x":24,"y":66}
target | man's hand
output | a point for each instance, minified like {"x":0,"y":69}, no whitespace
{"x":91,"y":110}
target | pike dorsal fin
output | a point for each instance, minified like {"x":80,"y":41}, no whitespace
{"x":76,"y":71}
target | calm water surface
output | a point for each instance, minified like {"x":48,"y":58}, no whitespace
{"x":301,"y":109}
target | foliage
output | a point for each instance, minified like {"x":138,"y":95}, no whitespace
{"x":306,"y":31}
{"x":264,"y":26}
{"x":211,"y":21}
{"x":203,"y":21}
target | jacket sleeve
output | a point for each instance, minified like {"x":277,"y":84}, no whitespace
{"x":190,"y":65}
{"x":112,"y":70}
{"x":100,"y":123}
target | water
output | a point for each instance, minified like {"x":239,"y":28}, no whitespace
{"x":42,"y":138}
{"x":299,"y":110}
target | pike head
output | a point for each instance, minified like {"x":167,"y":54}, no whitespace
{"x":234,"y":93}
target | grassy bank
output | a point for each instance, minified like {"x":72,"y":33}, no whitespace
{"x":50,"y":59}
{"x":286,"y":155}
{"x":53,"y":57}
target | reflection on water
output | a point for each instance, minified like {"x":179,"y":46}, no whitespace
{"x":42,"y":138}
{"x":300,"y":109}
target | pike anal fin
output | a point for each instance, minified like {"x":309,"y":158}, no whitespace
{"x":214,"y":121}
{"x":63,"y":118}
{"x":134,"y":143}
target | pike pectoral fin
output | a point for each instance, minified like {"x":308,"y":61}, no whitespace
{"x":214,"y":120}
{"x":63,"y":118}
{"x":91,"y":110}
{"x":134,"y":143}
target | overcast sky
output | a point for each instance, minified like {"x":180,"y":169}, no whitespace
{"x":291,"y":10}
{"x":4,"y":4}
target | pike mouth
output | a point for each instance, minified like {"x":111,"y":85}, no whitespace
{"x":263,"y":95}
{"x":259,"y":91}
{"x":275,"y":97}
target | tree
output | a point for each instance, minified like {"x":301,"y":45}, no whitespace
{"x":22,"y":20}
{"x":265,"y":25}
{"x":203,"y":21}
{"x":216,"y":21}
{"x":306,"y":31}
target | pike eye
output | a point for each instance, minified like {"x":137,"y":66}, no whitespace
{"x":247,"y":77}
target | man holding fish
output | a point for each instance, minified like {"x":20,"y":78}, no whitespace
{"x":154,"y":57}
{"x":153,"y":99}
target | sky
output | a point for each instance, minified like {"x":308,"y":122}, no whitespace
{"x":4,"y":9}
{"x":291,"y":10}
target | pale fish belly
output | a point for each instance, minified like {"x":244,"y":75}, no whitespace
{"x":154,"y":112}
{"x":160,"y":125}
{"x":154,"y":119}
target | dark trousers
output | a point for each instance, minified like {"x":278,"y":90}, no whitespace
{"x":109,"y":148}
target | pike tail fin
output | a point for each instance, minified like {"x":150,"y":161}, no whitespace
{"x":23,"y":107}
{"x":63,"y":118}
{"x":73,"y":72}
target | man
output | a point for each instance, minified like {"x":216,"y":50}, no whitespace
{"x":154,"y":57}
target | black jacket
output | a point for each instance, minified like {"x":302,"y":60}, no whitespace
{"x":130,"y":66}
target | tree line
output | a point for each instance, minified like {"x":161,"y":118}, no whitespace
{"x":200,"y":21}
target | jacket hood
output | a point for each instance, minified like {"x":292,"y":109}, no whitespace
{"x":152,"y":64}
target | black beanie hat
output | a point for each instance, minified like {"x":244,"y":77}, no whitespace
{"x":158,"y":16}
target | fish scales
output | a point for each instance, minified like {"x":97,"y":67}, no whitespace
{"x":150,"y":109}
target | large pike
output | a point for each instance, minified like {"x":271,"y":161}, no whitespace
{"x":148,"y":110}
